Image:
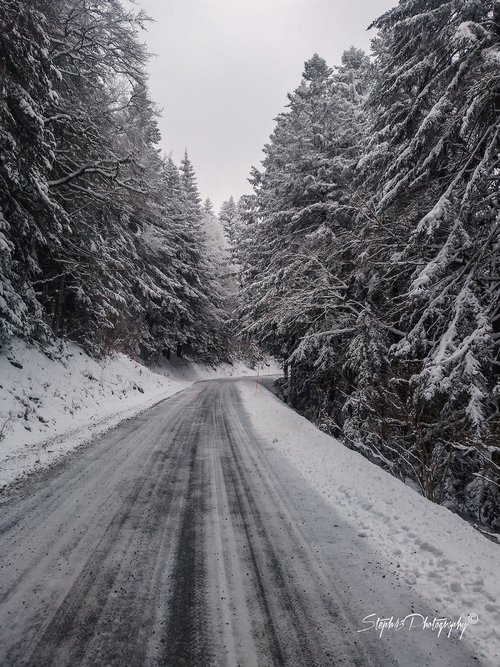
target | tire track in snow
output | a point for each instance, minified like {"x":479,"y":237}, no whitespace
{"x":186,"y":637}
{"x":288,"y":619}
{"x":66,"y":636}
{"x":61,"y":633}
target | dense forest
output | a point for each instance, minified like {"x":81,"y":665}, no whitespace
{"x":370,"y":255}
{"x":367,"y":259}
{"x":102,"y":239}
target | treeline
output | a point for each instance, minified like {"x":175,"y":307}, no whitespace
{"x":101,"y":238}
{"x":370,"y":251}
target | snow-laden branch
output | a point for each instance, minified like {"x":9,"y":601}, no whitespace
{"x":88,"y":169}
{"x":58,"y":116}
{"x":95,"y":168}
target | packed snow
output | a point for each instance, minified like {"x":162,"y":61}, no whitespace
{"x":433,"y":550}
{"x":53,"y":402}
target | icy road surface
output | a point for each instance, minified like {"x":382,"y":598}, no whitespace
{"x":181,"y":538}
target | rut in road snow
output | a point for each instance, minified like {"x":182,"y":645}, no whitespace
{"x":186,"y":636}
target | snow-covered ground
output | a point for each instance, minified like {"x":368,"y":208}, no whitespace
{"x":49,"y":405}
{"x":444,"y":558}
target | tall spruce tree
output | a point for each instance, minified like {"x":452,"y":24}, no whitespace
{"x":436,"y":124}
{"x":230,"y":219}
{"x":296,"y":255}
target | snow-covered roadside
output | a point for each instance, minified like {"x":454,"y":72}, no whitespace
{"x":49,"y":406}
{"x":443,"y":557}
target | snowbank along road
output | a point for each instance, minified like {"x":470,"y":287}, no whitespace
{"x":181,"y":538}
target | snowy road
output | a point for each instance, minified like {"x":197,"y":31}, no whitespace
{"x":181,"y":538}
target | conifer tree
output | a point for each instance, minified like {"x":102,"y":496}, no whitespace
{"x":30,"y":219}
{"x":230,"y":219}
{"x":435,"y":117}
{"x":295,"y":255}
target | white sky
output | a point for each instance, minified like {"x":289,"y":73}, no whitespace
{"x":224,"y":67}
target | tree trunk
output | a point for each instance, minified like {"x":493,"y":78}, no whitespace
{"x":57,"y":320}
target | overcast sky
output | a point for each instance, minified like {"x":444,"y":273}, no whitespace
{"x":223,"y":69}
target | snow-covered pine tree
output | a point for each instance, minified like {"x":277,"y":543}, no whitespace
{"x":203,"y":328}
{"x":219,"y":256}
{"x":29,"y":217}
{"x":157,"y":279}
{"x":192,"y":199}
{"x":230,"y":219}
{"x":297,"y":246}
{"x":436,"y":151}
